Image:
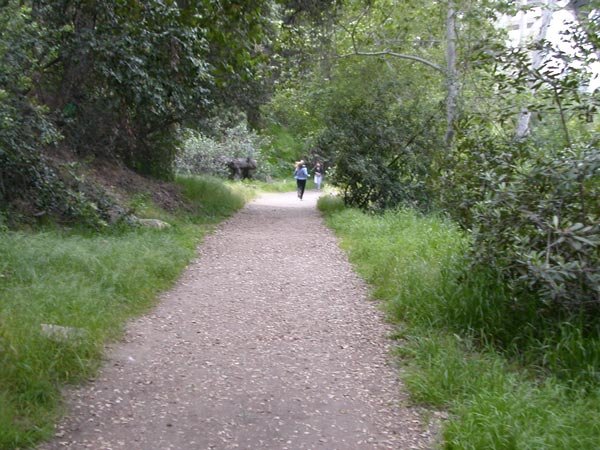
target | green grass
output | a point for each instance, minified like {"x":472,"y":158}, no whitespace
{"x":493,"y":405}
{"x":93,"y":282}
{"x":404,"y":257}
{"x":330,"y":204}
{"x":216,"y":198}
{"x":277,"y":185}
{"x":415,"y":266}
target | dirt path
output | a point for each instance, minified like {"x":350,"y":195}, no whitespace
{"x":266,"y":342}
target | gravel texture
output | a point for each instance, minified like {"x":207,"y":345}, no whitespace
{"x":268,"y":341}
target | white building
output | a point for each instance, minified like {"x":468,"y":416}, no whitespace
{"x":544,"y":19}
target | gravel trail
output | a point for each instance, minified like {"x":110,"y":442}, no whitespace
{"x":268,"y":341}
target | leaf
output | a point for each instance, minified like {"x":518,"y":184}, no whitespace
{"x":586,"y":241}
{"x":575,"y":227}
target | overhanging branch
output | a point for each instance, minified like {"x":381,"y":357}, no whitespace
{"x":396,"y":55}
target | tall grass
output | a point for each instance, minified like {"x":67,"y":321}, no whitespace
{"x":455,"y":328}
{"x":215,"y":198}
{"x":494,"y":405}
{"x":277,"y":185}
{"x":93,"y":284}
{"x":404,"y":256}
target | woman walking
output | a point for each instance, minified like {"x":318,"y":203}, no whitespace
{"x":318,"y":170}
{"x":301,"y":175}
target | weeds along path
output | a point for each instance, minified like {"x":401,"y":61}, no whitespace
{"x":268,"y":341}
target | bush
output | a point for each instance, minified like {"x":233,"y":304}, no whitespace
{"x":207,"y":155}
{"x":533,"y":284}
{"x":540,"y":227}
{"x":379,"y":153}
{"x":281,"y":151}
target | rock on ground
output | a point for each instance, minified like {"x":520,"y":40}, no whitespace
{"x":268,"y":341}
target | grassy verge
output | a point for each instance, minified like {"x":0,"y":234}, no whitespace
{"x":278,"y":185}
{"x":92,"y":283}
{"x":415,"y":267}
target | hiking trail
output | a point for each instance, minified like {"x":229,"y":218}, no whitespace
{"x":267,"y":341}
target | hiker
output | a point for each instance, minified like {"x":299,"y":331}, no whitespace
{"x":301,"y":175}
{"x":318,"y":170}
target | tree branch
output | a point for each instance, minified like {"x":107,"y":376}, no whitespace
{"x":386,"y":52}
{"x":396,"y":55}
{"x":411,"y":140}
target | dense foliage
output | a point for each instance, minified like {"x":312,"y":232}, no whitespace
{"x":127,"y":74}
{"x":117,"y":80}
{"x":532,"y":200}
{"x":380,"y":138}
{"x":526,"y":191}
{"x":126,"y":80}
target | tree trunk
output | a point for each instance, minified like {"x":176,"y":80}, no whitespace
{"x":77,"y":61}
{"x":452,"y":74}
{"x":537,"y":58}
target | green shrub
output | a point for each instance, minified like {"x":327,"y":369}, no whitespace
{"x":541,"y":228}
{"x":379,"y":153}
{"x":282,"y":150}
{"x":207,"y":155}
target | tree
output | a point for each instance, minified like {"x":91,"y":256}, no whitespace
{"x":421,"y":40}
{"x":379,"y":133}
{"x":118,"y":80}
{"x":451,"y":72}
{"x":589,"y":17}
{"x":536,"y":59}
{"x":24,"y":125}
{"x":122,"y":76}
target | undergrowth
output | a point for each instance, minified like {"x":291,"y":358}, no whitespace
{"x":91,"y":283}
{"x":508,"y":378}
